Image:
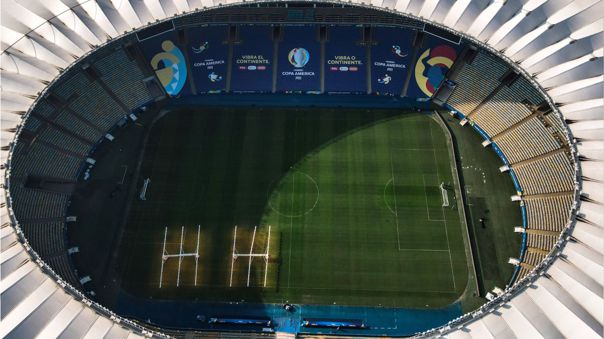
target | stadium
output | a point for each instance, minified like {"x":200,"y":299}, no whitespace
{"x":302,"y":169}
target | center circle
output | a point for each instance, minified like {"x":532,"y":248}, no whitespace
{"x":296,"y":195}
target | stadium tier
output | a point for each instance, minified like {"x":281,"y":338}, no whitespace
{"x":103,"y":67}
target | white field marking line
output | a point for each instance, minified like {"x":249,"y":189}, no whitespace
{"x":306,"y":212}
{"x":161,"y":271}
{"x":291,"y":231}
{"x":233,"y":256}
{"x":182,"y":234}
{"x":291,"y":219}
{"x":124,"y":174}
{"x":442,"y":210}
{"x":249,"y":267}
{"x":398,"y":235}
{"x":426,"y":196}
{"x":197,"y":253}
{"x":386,"y":202}
{"x":421,"y":250}
{"x":268,"y":247}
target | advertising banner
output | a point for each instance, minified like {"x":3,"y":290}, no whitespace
{"x":434,"y":60}
{"x":345,"y":60}
{"x":208,"y":52}
{"x":252,"y":60}
{"x":390,"y":58}
{"x":168,"y":62}
{"x":299,"y":60}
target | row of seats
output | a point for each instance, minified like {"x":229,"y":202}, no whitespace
{"x":62,"y":266}
{"x":96,"y":106}
{"x":64,"y":141}
{"x":30,"y":204}
{"x":502,"y":111}
{"x":550,"y":174}
{"x":41,"y":160}
{"x":528,"y":140}
{"x":33,"y":124}
{"x":46,"y":237}
{"x":76,"y":84}
{"x":476,"y":81}
{"x":555,"y":124}
{"x":123,"y":76}
{"x":549,"y":213}
{"x":44,"y":108}
{"x":69,"y":122}
{"x":533,"y":258}
{"x":544,"y":242}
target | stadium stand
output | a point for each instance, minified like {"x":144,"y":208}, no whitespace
{"x":46,"y":237}
{"x":506,"y":108}
{"x":58,"y":165}
{"x":548,"y":174}
{"x":526,"y":141}
{"x":544,"y":242}
{"x":124,"y":78}
{"x":555,"y":304}
{"x":548,"y":213}
{"x":476,"y":81}
{"x":64,"y":141}
{"x":34,"y":204}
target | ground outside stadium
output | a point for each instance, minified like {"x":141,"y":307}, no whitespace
{"x":305,"y":181}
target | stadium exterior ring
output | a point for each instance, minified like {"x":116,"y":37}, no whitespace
{"x":557,"y":45}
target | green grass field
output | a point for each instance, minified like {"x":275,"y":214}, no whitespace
{"x":352,"y":198}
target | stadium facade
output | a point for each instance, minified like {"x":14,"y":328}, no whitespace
{"x":557,"y":47}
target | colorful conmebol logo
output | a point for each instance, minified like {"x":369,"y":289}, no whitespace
{"x":432,"y":66}
{"x":298,"y":57}
{"x":170,"y":68}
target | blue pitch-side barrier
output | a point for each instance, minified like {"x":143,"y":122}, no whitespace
{"x":252,"y":69}
{"x":193,"y":315}
{"x":390,"y":57}
{"x":208,"y":53}
{"x":345,"y":60}
{"x":299,"y":64}
{"x":240,"y":321}
{"x":334,"y":323}
{"x":434,"y":60}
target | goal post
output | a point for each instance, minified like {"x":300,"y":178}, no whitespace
{"x":445,"y":194}
{"x":180,"y":256}
{"x":250,"y":255}
{"x":143,"y":193}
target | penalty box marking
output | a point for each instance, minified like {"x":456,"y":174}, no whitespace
{"x":443,"y":220}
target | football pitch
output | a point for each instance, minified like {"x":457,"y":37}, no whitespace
{"x":305,"y":205}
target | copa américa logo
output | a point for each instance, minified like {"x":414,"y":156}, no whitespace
{"x":298,"y":57}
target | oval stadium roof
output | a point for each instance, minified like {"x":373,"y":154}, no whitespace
{"x":559,"y":43}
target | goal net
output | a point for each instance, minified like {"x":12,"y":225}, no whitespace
{"x":445,"y":194}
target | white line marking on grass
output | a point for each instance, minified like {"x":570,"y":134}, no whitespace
{"x":398,"y":235}
{"x":125,"y":167}
{"x":386,"y":201}
{"x":426,"y":196}
{"x":291,"y":219}
{"x":421,"y":250}
{"x":442,"y":210}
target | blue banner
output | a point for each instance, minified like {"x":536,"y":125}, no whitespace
{"x":390,"y":58}
{"x":168,"y":62}
{"x":345,"y":60}
{"x":252,"y":70}
{"x":208,"y":52}
{"x":299,"y":60}
{"x":434,"y":60}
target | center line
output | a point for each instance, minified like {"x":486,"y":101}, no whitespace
{"x":398,"y":236}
